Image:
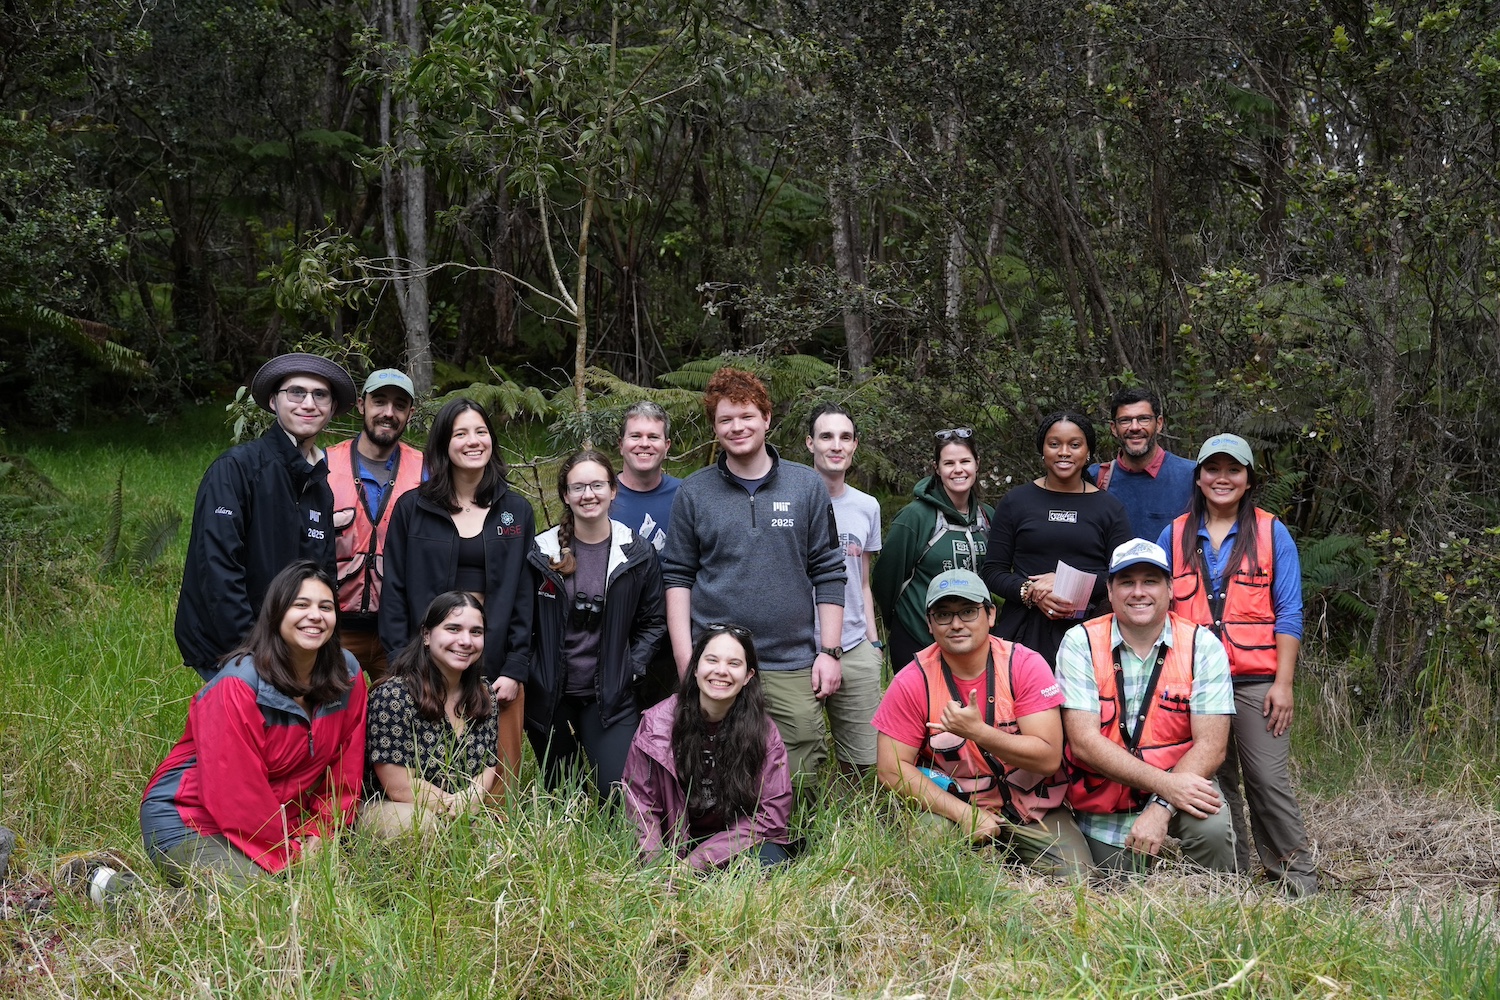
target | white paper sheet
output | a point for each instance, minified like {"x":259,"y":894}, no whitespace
{"x":1074,"y":587}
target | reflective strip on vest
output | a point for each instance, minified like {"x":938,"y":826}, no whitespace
{"x":1248,"y":628}
{"x":1032,"y":795}
{"x":359,"y":545}
{"x":1166,"y":735}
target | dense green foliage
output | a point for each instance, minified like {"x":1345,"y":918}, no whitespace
{"x":1280,"y":215}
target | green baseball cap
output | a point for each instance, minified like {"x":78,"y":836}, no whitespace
{"x":389,"y":377}
{"x":1232,"y":445}
{"x":963,"y":583}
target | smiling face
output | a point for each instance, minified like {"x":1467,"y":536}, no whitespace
{"x":386,"y":412}
{"x":1223,"y":482}
{"x":310,"y":620}
{"x":469,"y":448}
{"x":644,"y":446}
{"x":1135,"y":426}
{"x":832,"y":444}
{"x":305,"y":419}
{"x":458,"y":641}
{"x":592,"y":504}
{"x":722,"y":673}
{"x":1140,"y":596}
{"x":1065,"y":452}
{"x":741,"y":428}
{"x":957,"y":470}
{"x":958,"y":637}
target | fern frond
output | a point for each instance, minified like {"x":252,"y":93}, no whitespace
{"x":114,"y":520}
{"x":160,"y":530}
{"x":1276,"y":495}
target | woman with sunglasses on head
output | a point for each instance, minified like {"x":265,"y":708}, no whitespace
{"x":1235,"y":569}
{"x":943,"y":528}
{"x":600,"y":616}
{"x":1059,"y":516}
{"x":464,"y":529}
{"x":268,"y":767}
{"x":432,"y":743}
{"x":707,"y":776}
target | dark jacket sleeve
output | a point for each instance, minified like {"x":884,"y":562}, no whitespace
{"x":650,"y":626}
{"x":221,"y":552}
{"x":395,"y":620}
{"x":898,"y":557}
{"x":1000,"y":553}
{"x":517,"y":664}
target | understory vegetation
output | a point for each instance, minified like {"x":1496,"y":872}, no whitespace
{"x":546,"y":899}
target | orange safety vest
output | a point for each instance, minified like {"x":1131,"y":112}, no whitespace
{"x":359,"y":543}
{"x":1022,"y":796}
{"x":1164,"y":726}
{"x":1246,"y":616}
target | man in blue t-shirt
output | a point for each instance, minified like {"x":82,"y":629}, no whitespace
{"x":1153,"y":484}
{"x":644,"y":500}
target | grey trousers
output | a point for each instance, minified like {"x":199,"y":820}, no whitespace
{"x":1275,"y":818}
{"x":1209,"y":843}
{"x":213,"y":855}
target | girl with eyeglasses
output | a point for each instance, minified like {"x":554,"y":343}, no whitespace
{"x":1059,"y":516}
{"x":707,"y":776}
{"x":600,"y":616}
{"x":944,"y":527}
{"x":465,"y":529}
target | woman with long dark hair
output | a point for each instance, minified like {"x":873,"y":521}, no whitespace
{"x":943,"y":528}
{"x":269,"y":763}
{"x":600,"y":616}
{"x":464,"y":529}
{"x":1236,"y":570}
{"x":707,"y":777}
{"x":1059,"y":516}
{"x":432,"y":744}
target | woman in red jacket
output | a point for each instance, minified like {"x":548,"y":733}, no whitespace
{"x":270,"y":762}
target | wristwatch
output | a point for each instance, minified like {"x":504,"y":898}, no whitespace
{"x":837,"y":652}
{"x":1169,"y":807}
{"x":876,"y":644}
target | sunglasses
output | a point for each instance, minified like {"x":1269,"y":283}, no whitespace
{"x":738,"y":631}
{"x":954,"y":434}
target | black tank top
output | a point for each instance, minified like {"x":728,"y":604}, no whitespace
{"x":471,"y":565}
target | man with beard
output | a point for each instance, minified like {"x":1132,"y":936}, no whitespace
{"x":367,"y":474}
{"x":1153,"y":484}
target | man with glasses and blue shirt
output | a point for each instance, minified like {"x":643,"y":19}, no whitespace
{"x":1153,"y":484}
{"x":261,"y":505}
{"x":970,"y":734}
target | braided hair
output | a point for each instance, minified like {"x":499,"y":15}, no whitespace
{"x":565,"y":563}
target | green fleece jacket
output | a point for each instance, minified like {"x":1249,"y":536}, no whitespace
{"x":902,"y":559}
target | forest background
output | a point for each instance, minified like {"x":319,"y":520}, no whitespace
{"x":1284,"y":217}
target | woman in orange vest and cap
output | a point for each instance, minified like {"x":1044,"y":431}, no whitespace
{"x":1236,"y":570}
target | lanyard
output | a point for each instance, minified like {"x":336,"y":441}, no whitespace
{"x":1215,"y":596}
{"x":1132,"y":741}
{"x":995,"y":766}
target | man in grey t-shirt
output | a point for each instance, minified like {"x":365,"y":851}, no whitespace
{"x":832,"y":440}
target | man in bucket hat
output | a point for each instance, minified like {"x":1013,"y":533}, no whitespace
{"x":261,"y":505}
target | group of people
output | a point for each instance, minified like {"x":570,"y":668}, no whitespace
{"x":376,"y":627}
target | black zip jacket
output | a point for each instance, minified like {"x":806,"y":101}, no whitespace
{"x":634,"y":625}
{"x":421,"y":562}
{"x":260,"y":506}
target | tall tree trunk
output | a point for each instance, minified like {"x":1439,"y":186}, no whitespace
{"x":404,"y":194}
{"x":846,"y":260}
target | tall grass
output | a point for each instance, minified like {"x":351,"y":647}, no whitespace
{"x":547,"y":899}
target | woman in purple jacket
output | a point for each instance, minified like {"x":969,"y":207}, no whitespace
{"x":706,"y":776}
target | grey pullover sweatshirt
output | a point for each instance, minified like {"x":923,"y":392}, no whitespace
{"x":759,"y":561}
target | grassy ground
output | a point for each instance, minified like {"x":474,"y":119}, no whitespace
{"x":547,"y":900}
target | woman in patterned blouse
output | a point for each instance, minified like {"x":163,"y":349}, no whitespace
{"x":432,"y":739}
